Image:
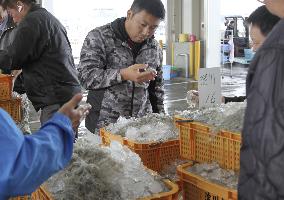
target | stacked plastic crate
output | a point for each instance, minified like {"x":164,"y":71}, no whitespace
{"x":199,"y":144}
{"x":7,"y":102}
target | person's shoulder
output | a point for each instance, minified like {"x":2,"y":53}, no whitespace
{"x":153,"y":43}
{"x":39,"y":16}
{"x":280,"y":25}
{"x":34,"y":17}
{"x":101,"y":31}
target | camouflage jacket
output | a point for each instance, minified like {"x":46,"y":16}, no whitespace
{"x":102,"y":57}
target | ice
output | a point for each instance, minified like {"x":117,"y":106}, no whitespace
{"x":215,"y":174}
{"x":150,"y":128}
{"x":170,"y":171}
{"x":233,"y":122}
{"x":84,"y":133}
{"x":24,"y":123}
{"x":108,"y":173}
{"x":226,"y":116}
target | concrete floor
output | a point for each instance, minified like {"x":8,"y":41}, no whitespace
{"x":176,"y":89}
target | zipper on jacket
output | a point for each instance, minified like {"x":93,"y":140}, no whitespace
{"x":133,"y":83}
{"x":132,"y":99}
{"x":125,"y":44}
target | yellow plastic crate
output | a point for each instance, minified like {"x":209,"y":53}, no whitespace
{"x":195,"y":187}
{"x":154,"y":155}
{"x":198,"y":143}
{"x":13,"y":107}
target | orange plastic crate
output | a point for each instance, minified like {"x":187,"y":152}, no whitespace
{"x":198,"y":143}
{"x":170,"y":195}
{"x":181,"y":120}
{"x":5,"y":87}
{"x":195,"y":187}
{"x":154,"y":155}
{"x":42,"y":194}
{"x":225,"y":149}
{"x":39,"y":194}
{"x":13,"y":107}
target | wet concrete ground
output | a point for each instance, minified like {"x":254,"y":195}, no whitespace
{"x":176,"y":89}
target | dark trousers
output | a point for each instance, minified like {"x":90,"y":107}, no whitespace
{"x":47,"y":112}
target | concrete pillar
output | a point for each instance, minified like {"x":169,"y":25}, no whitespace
{"x":174,"y":25}
{"x":212,"y":33}
{"x":191,"y":17}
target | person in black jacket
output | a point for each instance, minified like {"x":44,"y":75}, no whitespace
{"x":8,"y":28}
{"x":42,"y":50}
{"x":262,"y":151}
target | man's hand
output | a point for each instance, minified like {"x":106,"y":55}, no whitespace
{"x":76,"y":115}
{"x":138,"y":73}
{"x":192,"y":98}
{"x":15,"y":74}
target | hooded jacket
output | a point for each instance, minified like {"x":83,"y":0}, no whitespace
{"x":103,"y":54}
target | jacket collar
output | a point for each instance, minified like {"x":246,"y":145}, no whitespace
{"x":10,"y":23}
{"x":120,"y":32}
{"x":34,"y":7}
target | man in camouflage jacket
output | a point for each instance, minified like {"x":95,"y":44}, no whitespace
{"x":114,"y":66}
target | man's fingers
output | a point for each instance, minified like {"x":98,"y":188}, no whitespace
{"x":75,"y":100}
{"x":140,"y":66}
{"x":84,"y":109}
{"x":81,"y":112}
{"x":145,"y":76}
